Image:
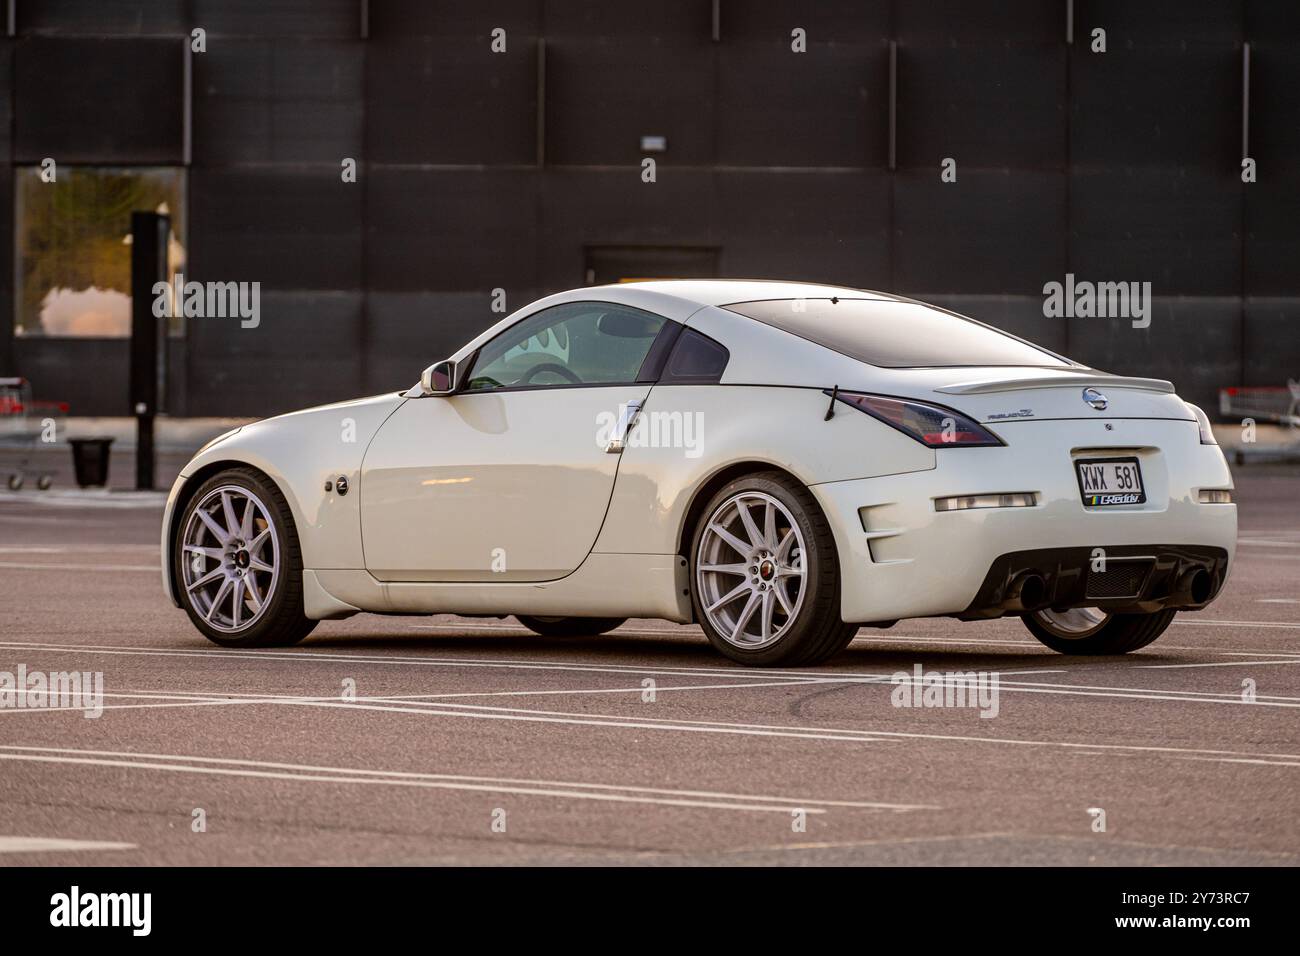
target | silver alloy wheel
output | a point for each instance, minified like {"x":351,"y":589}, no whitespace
{"x":750,"y":574}
{"x":1073,"y":622}
{"x":231,"y":561}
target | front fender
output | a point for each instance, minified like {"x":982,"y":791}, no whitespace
{"x":299,"y":451}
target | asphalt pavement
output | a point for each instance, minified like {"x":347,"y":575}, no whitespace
{"x":389,"y":740}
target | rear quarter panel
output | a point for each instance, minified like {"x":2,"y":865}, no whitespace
{"x":724,"y":425}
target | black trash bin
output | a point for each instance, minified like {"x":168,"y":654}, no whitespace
{"x":90,"y":459}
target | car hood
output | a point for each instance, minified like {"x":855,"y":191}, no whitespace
{"x":389,"y":400}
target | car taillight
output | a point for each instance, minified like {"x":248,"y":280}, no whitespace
{"x":935,"y":426}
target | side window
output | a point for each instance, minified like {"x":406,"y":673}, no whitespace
{"x":578,"y":343}
{"x":695,"y":360}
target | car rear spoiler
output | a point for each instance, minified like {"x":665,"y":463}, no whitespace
{"x":1072,"y":381}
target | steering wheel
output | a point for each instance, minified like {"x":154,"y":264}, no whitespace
{"x":555,"y":367}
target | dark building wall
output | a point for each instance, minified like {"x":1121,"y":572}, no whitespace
{"x":482,"y":170}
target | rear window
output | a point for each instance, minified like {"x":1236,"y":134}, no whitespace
{"x":895,"y":334}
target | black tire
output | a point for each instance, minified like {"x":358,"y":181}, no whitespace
{"x":283,"y":622}
{"x":15,"y":482}
{"x":816,"y":632}
{"x":570,"y":626}
{"x":44,"y":482}
{"x":1118,"y":634}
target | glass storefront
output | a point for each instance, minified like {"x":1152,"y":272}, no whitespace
{"x":73,"y":246}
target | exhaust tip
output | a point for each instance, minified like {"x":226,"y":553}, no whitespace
{"x":1027,"y":592}
{"x":1193,"y":587}
{"x":1197,"y":585}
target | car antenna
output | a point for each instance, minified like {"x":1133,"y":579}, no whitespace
{"x":830,"y":409}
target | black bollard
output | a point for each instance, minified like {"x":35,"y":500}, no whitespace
{"x":149,"y":234}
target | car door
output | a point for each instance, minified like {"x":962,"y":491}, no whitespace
{"x":509,"y":479}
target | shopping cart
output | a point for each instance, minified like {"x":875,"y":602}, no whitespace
{"x":24,"y":425}
{"x":1280,"y":405}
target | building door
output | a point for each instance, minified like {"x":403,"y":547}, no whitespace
{"x":608,"y":264}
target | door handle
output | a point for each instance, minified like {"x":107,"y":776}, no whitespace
{"x":626,"y":420}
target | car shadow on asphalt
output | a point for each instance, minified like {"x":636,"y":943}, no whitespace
{"x":691,"y":648}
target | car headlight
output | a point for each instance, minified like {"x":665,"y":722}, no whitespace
{"x":1203,"y":423}
{"x":935,"y":426}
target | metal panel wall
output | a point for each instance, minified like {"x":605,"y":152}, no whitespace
{"x":98,"y":100}
{"x":482,"y":170}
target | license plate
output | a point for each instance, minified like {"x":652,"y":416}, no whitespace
{"x":1105,"y":482}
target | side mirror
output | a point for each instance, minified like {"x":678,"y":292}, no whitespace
{"x":439,"y":379}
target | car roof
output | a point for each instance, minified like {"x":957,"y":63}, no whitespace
{"x":729,"y":291}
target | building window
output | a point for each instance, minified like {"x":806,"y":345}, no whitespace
{"x":73,"y":246}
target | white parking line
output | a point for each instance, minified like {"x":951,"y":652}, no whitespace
{"x":1281,"y":654}
{"x":1064,"y":690}
{"x":599,"y":690}
{"x":976,"y":642}
{"x":777,"y":730}
{"x":884,"y":841}
{"x":764,"y":676}
{"x":70,"y":498}
{"x":1231,"y":697}
{"x":1237,"y":623}
{"x":865,"y":635}
{"x":1179,"y":696}
{"x":324,"y":656}
{"x":506,"y":714}
{"x":433,"y":700}
{"x":152,"y":568}
{"x":440,"y":705}
{"x":186,"y":763}
{"x":443,"y":709}
{"x":1251,"y":760}
{"x":181,"y":698}
{"x":1289,"y":660}
{"x":77,"y":549}
{"x":6,"y":515}
{"x":336,"y":778}
{"x":30,"y":844}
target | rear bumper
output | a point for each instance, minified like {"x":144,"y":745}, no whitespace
{"x":901,"y":558}
{"x":1120,"y":578}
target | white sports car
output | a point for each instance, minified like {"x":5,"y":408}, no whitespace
{"x":780,"y":463}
